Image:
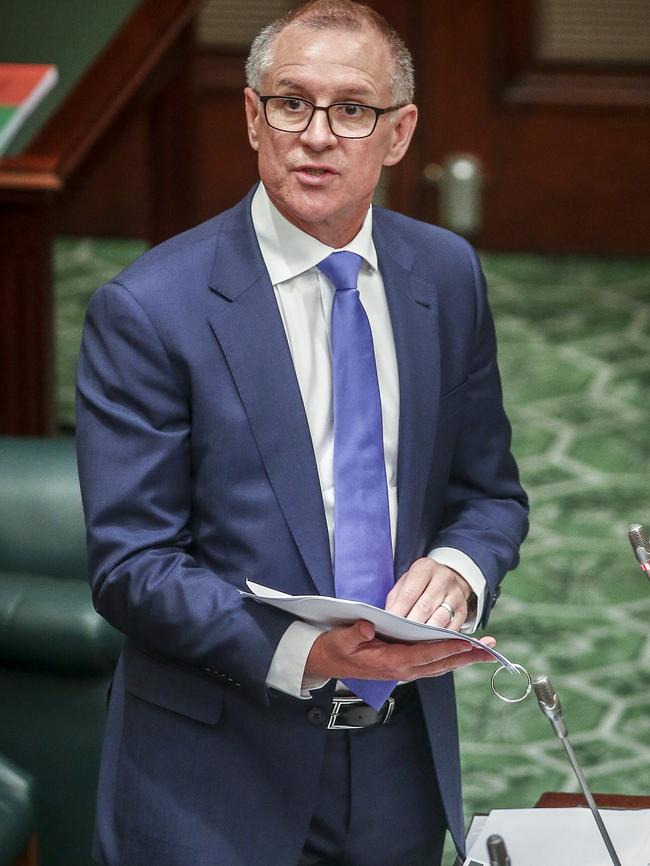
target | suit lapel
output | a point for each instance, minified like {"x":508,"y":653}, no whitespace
{"x":412,"y":303}
{"x":247,"y":323}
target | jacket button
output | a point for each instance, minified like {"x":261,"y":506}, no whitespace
{"x":315,"y":716}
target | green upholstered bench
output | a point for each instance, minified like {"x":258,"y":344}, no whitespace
{"x":17,"y":820}
{"x":56,"y":653}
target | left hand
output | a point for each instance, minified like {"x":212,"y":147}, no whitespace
{"x":419,"y":592}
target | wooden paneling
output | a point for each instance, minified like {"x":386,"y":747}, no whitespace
{"x":566,"y":174}
{"x":26,"y":343}
{"x":531,"y":77}
{"x":111,"y":198}
{"x":593,"y":31}
{"x":235,"y":23}
{"x":142,"y":73}
{"x":226,"y":166}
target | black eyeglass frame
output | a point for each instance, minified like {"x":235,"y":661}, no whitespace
{"x":326,"y":108}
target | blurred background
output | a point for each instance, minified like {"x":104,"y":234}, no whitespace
{"x":534,"y":142}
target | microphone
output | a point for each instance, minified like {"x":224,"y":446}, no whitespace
{"x":641,"y":546}
{"x":549,"y":704}
{"x":497,"y":851}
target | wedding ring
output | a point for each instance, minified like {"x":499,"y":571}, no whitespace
{"x":523,"y":673}
{"x":449,"y":609}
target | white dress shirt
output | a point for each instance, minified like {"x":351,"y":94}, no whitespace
{"x":304,"y":297}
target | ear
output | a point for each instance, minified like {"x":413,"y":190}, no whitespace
{"x":402,"y":133}
{"x":252,"y":106}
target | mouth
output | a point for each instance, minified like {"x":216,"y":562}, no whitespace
{"x":315,"y":174}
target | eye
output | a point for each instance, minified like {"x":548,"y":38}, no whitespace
{"x":351,"y":111}
{"x":292,"y":104}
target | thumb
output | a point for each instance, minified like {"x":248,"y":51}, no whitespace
{"x":365,"y":630}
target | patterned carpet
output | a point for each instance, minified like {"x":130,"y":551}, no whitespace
{"x":574,"y":338}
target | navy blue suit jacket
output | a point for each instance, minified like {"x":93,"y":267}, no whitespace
{"x":198,"y":471}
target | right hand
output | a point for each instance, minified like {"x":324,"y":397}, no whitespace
{"x":354,"y":652}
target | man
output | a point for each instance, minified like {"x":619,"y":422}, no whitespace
{"x":210,"y":373}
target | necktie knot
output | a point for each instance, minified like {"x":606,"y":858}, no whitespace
{"x":342,"y":269}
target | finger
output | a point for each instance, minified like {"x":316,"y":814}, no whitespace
{"x":453,"y":663}
{"x":408,"y":589}
{"x":442,"y":618}
{"x":366,"y":629}
{"x":420,"y":591}
{"x":429,"y":607}
{"x":436,"y":651}
{"x":353,"y":636}
{"x":334,"y":651}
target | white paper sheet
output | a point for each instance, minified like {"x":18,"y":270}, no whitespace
{"x":567,"y":837}
{"x":321,"y":610}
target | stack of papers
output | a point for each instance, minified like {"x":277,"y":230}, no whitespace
{"x":326,"y":612}
{"x":563,"y":837}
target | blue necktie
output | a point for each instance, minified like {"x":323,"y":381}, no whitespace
{"x":363,"y":554}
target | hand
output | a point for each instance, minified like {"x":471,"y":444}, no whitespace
{"x":353,"y":651}
{"x":418,"y":593}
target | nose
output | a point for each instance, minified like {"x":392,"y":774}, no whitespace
{"x":318,"y":135}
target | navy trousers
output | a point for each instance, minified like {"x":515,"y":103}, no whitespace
{"x":378,"y":802}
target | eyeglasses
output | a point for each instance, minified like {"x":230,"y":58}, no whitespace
{"x":346,"y":119}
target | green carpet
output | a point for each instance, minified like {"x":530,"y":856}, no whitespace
{"x":575,"y":357}
{"x":574,"y":337}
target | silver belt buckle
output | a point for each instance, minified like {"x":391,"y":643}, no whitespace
{"x":339,"y":702}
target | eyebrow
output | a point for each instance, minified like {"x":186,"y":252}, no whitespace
{"x":352,"y":93}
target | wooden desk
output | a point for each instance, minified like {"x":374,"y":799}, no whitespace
{"x":555,"y":800}
{"x":144,"y":65}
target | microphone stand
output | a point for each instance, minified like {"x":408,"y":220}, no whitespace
{"x":549,"y":704}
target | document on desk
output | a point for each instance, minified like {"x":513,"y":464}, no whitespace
{"x":326,"y":612}
{"x":566,"y":837}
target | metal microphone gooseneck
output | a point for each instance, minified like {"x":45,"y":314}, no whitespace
{"x":549,"y":704}
{"x":641,"y":546}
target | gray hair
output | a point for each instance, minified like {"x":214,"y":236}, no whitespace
{"x":329,"y":15}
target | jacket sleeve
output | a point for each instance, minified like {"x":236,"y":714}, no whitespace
{"x":486,"y":510}
{"x":133,"y":443}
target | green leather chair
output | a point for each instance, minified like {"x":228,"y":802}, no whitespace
{"x":18,"y":845}
{"x":56,"y":654}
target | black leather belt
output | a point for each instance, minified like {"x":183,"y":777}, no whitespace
{"x":350,"y":713}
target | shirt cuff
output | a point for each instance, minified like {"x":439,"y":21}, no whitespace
{"x":468,"y":569}
{"x":287,"y":670}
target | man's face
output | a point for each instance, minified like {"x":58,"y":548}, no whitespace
{"x":321,"y":183}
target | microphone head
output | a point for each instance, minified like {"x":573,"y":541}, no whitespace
{"x":546,"y":695}
{"x":549,"y":703}
{"x":497,"y":850}
{"x":640,"y":542}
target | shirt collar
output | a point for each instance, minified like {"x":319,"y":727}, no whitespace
{"x":288,"y":251}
